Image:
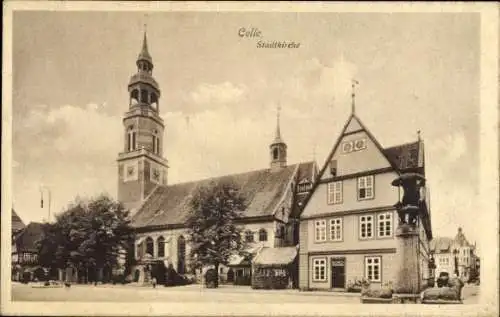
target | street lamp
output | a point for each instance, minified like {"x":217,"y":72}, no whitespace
{"x":42,"y":189}
{"x":455,"y":253}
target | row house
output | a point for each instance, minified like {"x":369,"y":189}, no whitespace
{"x":24,"y":257}
{"x":348,"y":224}
{"x":454,"y":255}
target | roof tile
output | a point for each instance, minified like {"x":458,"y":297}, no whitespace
{"x":262,"y":188}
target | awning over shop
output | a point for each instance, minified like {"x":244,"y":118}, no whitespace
{"x":238,"y":260}
{"x":275,"y":256}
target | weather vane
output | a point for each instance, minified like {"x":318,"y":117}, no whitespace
{"x":353,"y":95}
{"x":146,"y":22}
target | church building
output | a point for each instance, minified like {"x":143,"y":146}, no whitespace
{"x":159,"y":210}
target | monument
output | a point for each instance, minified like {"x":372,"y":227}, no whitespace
{"x":409,"y":209}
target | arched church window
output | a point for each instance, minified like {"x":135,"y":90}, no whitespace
{"x":149,"y":245}
{"x":154,"y":101}
{"x":275,"y":154}
{"x":262,"y":235}
{"x":161,"y":247}
{"x":156,"y":142}
{"x":181,"y":255}
{"x":131,"y":138}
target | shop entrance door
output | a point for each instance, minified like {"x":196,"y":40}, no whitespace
{"x":338,"y":273}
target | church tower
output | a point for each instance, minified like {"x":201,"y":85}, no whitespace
{"x":141,"y":165}
{"x":278,"y":148}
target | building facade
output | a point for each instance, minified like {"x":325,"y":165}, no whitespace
{"x":454,"y":256}
{"x":159,"y":211}
{"x":25,"y":265}
{"x":347,"y":227}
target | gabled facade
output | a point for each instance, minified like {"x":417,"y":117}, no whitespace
{"x":348,"y":225}
{"x":16,"y":223}
{"x":25,"y":253}
{"x":454,"y":255}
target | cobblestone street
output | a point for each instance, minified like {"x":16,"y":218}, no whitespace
{"x":192,"y":293}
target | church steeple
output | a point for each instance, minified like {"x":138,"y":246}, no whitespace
{"x":144,"y":54}
{"x":141,"y":165}
{"x":143,"y":88}
{"x":277,"y":137}
{"x":278,"y":147}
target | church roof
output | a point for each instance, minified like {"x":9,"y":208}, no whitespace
{"x":264,"y":189}
{"x":17,"y":222}
{"x":447,"y":244}
{"x":26,"y":239}
{"x":441,"y":244}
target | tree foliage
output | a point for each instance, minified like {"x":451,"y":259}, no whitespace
{"x":87,"y":234}
{"x":213,"y":233}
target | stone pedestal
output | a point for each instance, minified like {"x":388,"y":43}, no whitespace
{"x":407,"y":278}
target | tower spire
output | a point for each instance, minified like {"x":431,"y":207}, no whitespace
{"x":144,"y":54}
{"x":353,"y":95}
{"x":277,"y":137}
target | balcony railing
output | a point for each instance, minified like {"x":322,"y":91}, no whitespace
{"x":141,"y":151}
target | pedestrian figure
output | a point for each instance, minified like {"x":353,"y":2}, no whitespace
{"x":154,"y":282}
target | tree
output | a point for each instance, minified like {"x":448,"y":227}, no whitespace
{"x":87,"y":235}
{"x":213,"y":233}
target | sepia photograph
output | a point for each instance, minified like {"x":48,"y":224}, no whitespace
{"x":191,"y":158}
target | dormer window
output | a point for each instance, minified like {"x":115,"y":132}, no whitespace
{"x":304,"y":186}
{"x":333,"y":168}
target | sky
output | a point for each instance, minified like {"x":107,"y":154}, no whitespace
{"x":220,"y":92}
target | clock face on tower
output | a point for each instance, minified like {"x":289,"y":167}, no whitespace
{"x":156,"y":175}
{"x":130,"y":171}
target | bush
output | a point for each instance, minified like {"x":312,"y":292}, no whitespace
{"x":172,"y":278}
{"x":378,"y":293}
{"x":385,"y":292}
{"x":355,"y":286}
{"x":211,"y":279}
